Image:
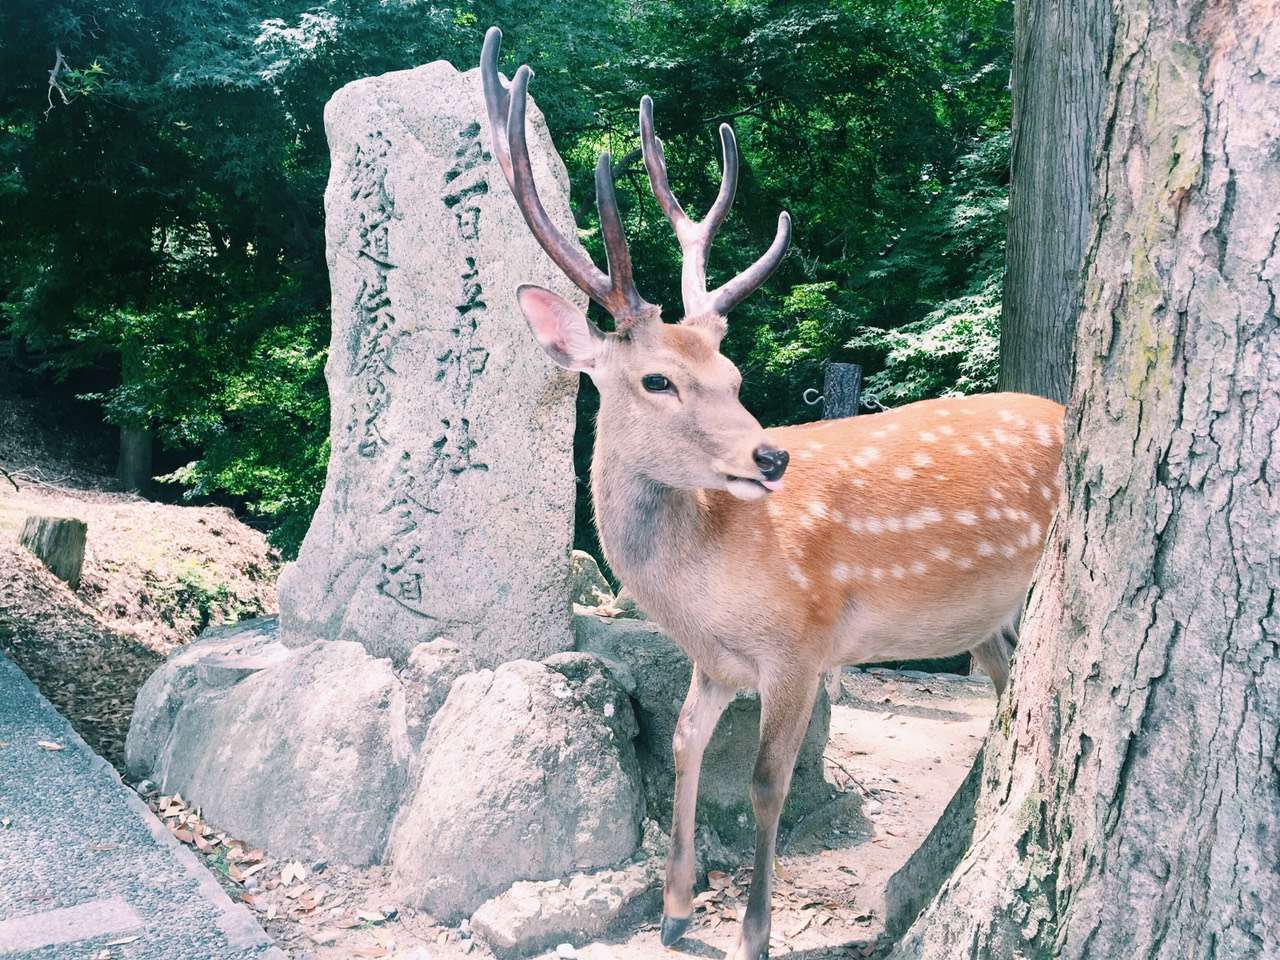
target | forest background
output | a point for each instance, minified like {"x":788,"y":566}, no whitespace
{"x":163,"y":163}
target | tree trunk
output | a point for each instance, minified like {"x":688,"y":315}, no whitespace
{"x":1130,"y":801}
{"x":1061,"y":49}
{"x":133,"y":468}
{"x":58,"y":542}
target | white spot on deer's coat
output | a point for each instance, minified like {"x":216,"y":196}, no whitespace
{"x":964,"y":450}
{"x":1004,"y":438}
{"x":840,"y":573}
{"x":855,"y":524}
{"x":866,"y":456}
{"x":928,"y":436}
{"x":876,"y":574}
{"x":995,"y":493}
{"x":922,"y":459}
{"x":941,"y":553}
{"x":796,"y":574}
{"x":922,"y":518}
{"x":983,"y":441}
{"x":898,"y":571}
{"x":1008,"y":550}
{"x":1033,"y":534}
{"x":918,"y":568}
{"x":964,"y":563}
{"x":1044,"y":436}
{"x":773,"y":508}
{"x":804,"y":455}
{"x":903,"y":472}
{"x":967,"y":517}
{"x":818,"y":509}
{"x":874,"y":525}
{"x":943,"y":412}
{"x":814,"y":444}
{"x":947,"y":430}
{"x":985,"y":549}
{"x":992,"y":513}
{"x":1046,"y":492}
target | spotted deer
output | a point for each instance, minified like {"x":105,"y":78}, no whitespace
{"x":907,"y":534}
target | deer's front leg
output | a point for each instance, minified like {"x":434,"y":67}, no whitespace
{"x":703,"y":705}
{"x":786,"y":704}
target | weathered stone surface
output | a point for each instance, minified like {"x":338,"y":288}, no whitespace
{"x":587,"y":584}
{"x":301,"y":751}
{"x":626,"y":605}
{"x":656,"y":673}
{"x":59,"y":543}
{"x":528,"y":772}
{"x":532,"y":916}
{"x":427,"y":678}
{"x":448,"y":506}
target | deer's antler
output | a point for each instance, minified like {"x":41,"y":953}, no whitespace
{"x":695,"y":238}
{"x":615,"y":290}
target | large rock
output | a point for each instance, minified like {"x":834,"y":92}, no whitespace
{"x":303,"y":751}
{"x":532,"y":915}
{"x":656,"y":674}
{"x":448,"y":505}
{"x":528,"y":772}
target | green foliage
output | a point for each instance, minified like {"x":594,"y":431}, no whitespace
{"x":163,"y":246}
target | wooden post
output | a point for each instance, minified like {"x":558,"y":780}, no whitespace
{"x":842,"y":390}
{"x":59,"y":544}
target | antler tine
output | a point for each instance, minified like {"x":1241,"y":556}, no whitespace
{"x":696,"y":238}
{"x":614,"y":291}
{"x":724,"y":298}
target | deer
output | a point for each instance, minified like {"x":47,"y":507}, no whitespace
{"x":772,"y":557}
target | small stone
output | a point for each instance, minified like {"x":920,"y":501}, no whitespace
{"x":566,"y":950}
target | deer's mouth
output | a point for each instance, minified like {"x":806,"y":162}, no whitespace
{"x":750,"y":488}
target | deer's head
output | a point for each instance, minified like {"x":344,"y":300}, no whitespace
{"x":667,"y":393}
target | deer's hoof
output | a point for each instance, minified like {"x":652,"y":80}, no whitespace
{"x":673,"y":929}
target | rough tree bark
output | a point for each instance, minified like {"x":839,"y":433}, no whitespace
{"x":1130,"y":802}
{"x":1061,"y":48}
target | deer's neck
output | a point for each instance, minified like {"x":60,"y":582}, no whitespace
{"x":655,"y":537}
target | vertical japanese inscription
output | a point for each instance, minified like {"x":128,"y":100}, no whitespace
{"x":460,"y":360}
{"x":373,"y":332}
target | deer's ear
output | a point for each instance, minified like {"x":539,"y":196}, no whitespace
{"x":564,"y":331}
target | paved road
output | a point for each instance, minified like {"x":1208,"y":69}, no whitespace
{"x":85,"y":866}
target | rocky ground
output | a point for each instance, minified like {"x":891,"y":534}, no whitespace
{"x":901,"y":742}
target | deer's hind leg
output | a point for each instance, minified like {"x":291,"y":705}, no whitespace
{"x":992,"y":656}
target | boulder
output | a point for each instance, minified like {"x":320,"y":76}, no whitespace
{"x":625,"y":604}
{"x":528,"y":772}
{"x":656,"y":673}
{"x":587,"y":585}
{"x":448,"y":506}
{"x":302,"y":751}
{"x":427,"y":678}
{"x":532,"y":916}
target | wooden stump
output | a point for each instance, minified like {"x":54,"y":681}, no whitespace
{"x":58,"y":542}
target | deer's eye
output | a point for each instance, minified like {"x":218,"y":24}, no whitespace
{"x":655,"y":383}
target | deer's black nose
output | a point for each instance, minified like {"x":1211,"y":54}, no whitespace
{"x":771,"y":461}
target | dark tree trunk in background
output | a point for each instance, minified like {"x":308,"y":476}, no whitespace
{"x":1061,"y":49}
{"x":133,"y":468}
{"x":1130,"y":797}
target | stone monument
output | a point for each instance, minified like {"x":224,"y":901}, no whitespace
{"x":448,"y":506}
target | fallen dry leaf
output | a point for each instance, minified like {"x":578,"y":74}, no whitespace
{"x":122,"y":941}
{"x":292,"y":873}
{"x":50,"y":745}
